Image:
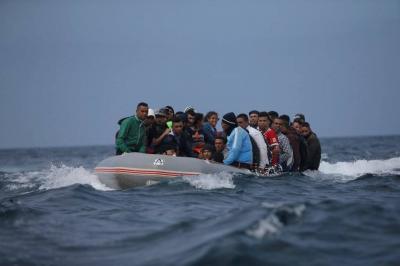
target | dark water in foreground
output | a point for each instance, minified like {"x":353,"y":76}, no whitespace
{"x":54,"y":211}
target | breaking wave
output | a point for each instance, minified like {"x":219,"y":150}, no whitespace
{"x":280,"y":215}
{"x":55,"y":177}
{"x":211,"y":181}
{"x":347,"y":171}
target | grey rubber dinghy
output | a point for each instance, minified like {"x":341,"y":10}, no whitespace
{"x":139,"y":169}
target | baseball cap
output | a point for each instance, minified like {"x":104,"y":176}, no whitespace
{"x":150,"y":112}
{"x":161,"y":112}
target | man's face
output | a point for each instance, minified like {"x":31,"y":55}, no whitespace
{"x":170,"y":114}
{"x":161,"y":120}
{"x":263,"y":123}
{"x":297,"y":127}
{"x":276,"y":125}
{"x":141,"y":112}
{"x":225,"y":127}
{"x":305,"y":131}
{"x":149,"y":120}
{"x":177,"y":127}
{"x":190,"y":120}
{"x":241,"y":122}
{"x":219,"y":145}
{"x":253,"y":119}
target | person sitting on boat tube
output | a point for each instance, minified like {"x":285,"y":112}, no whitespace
{"x":132,"y":133}
{"x":240,"y":153}
{"x":159,"y":130}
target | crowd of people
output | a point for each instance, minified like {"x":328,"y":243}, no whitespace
{"x":256,"y":141}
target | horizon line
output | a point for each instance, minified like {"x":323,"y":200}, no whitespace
{"x":110,"y":144}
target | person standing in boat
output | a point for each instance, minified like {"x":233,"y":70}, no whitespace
{"x":240,"y":153}
{"x":294,"y":141}
{"x":286,"y":151}
{"x":177,"y":138}
{"x":314,"y":147}
{"x":132,"y":133}
{"x":253,"y":118}
{"x":159,"y":130}
{"x":258,"y":138}
{"x":264,"y":123}
{"x":197,"y":138}
{"x":209,"y":126}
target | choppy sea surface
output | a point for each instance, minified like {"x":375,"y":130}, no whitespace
{"x":54,"y":211}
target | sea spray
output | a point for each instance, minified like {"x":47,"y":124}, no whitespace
{"x":55,"y":177}
{"x":65,"y":176}
{"x":211,"y":181}
{"x":280,"y":214}
{"x":348,"y":171}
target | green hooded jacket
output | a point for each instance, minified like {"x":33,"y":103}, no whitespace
{"x":131,"y":136}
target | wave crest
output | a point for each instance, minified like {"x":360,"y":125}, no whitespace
{"x":55,"y":177}
{"x":348,"y":171}
{"x":362,"y":167}
{"x":211,"y":181}
{"x":281,"y":215}
{"x":64,"y":176}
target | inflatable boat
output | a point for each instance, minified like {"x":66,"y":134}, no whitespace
{"x":139,"y":169}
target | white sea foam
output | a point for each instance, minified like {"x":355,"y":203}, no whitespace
{"x":347,"y":171}
{"x":211,"y":181}
{"x":56,"y":177}
{"x":66,"y":176}
{"x":271,"y":225}
{"x":268,"y":226}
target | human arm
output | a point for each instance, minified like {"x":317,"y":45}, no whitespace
{"x":234,"y":151}
{"x":157,"y":141}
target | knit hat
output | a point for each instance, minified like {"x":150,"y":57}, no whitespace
{"x":230,"y":119}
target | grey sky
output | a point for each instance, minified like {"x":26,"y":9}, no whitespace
{"x":70,"y":69}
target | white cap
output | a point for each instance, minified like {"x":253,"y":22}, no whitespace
{"x":151,"y":112}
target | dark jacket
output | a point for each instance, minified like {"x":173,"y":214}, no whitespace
{"x":303,"y":152}
{"x":218,"y":157}
{"x":314,"y":152}
{"x":295,"y":143}
{"x":180,"y":142}
{"x":155,"y":132}
{"x":210,"y":133}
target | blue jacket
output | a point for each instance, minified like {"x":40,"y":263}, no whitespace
{"x":210,"y":133}
{"x":239,"y":147}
